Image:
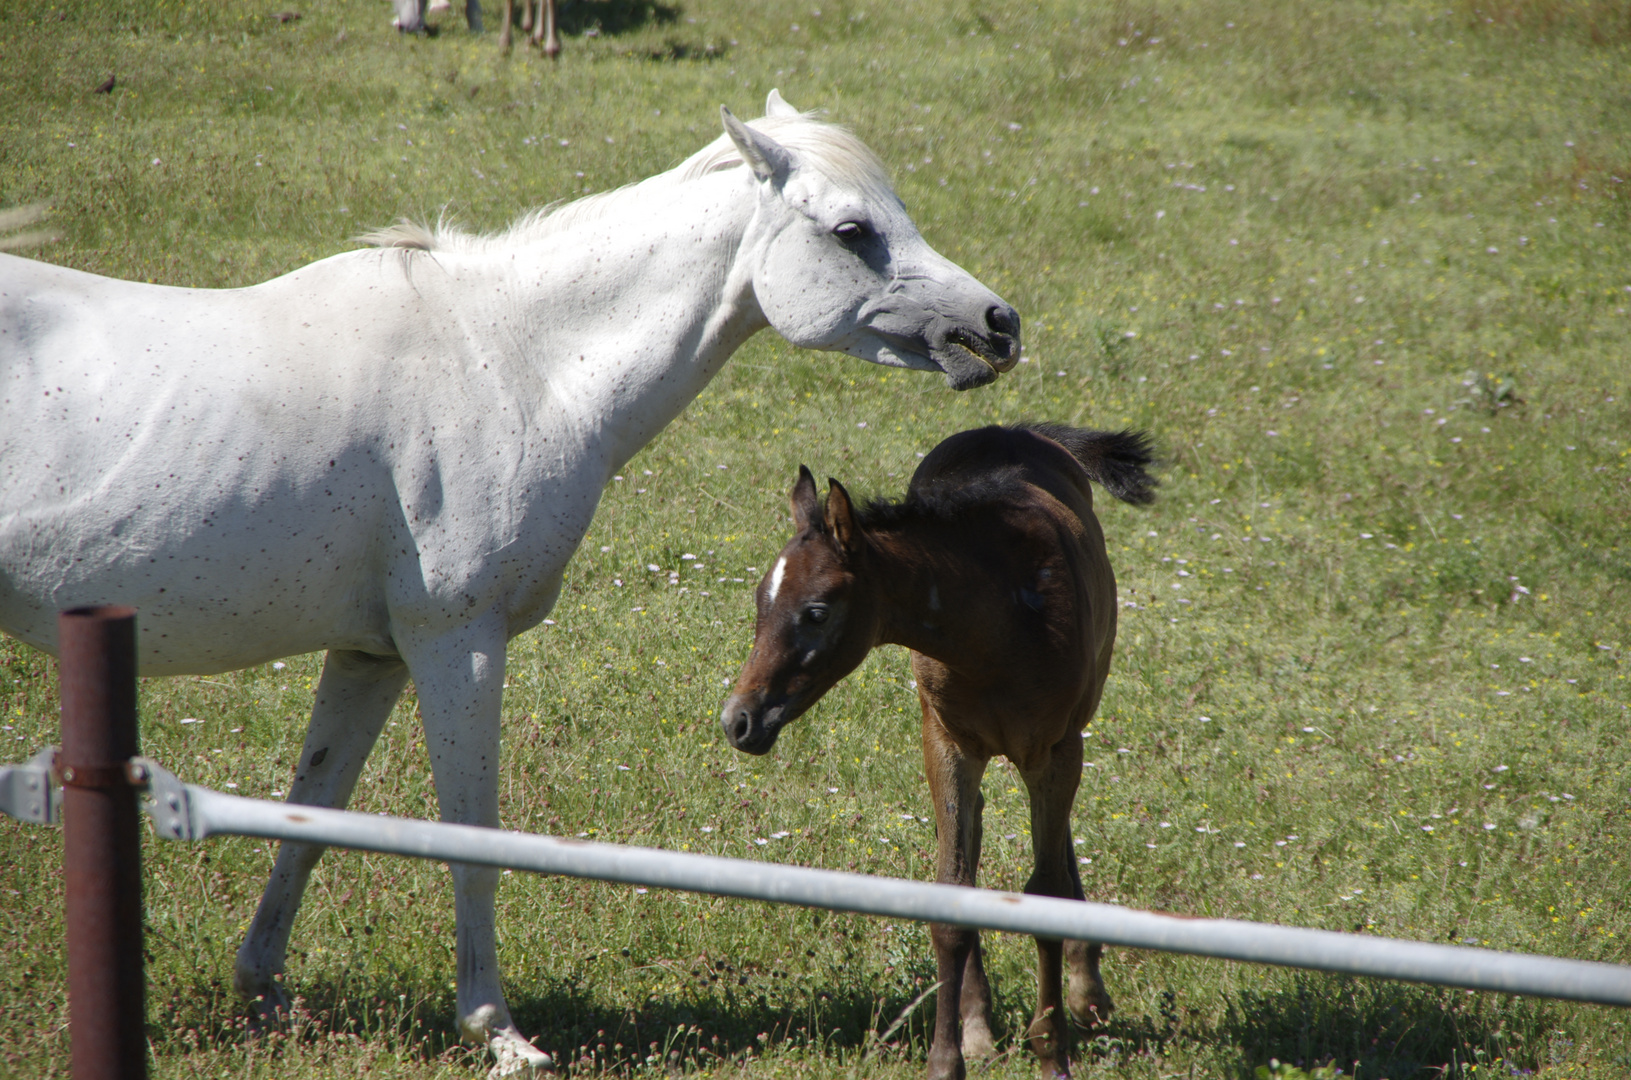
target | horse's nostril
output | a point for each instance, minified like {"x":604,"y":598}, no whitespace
{"x":1002,"y":320}
{"x":741,"y":724}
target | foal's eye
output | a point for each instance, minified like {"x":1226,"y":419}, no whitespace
{"x":816,"y":614}
{"x":852,"y":231}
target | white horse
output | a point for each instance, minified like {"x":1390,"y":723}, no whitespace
{"x":391,"y":454}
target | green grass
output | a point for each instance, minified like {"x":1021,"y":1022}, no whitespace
{"x":1277,"y":244}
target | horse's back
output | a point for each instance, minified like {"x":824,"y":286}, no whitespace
{"x":185,"y":451}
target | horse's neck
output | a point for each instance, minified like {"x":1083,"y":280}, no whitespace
{"x":635,"y":310}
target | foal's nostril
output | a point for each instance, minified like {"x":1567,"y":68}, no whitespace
{"x":1002,"y":319}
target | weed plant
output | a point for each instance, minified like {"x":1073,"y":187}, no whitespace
{"x":1360,"y":267}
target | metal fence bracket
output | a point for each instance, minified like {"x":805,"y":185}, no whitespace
{"x":26,"y":791}
{"x":167,"y":800}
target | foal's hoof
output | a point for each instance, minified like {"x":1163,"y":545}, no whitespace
{"x":978,"y":1045}
{"x":514,"y":1056}
{"x":1089,"y":1004}
{"x":946,"y":1065}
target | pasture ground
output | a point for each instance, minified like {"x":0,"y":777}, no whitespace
{"x":1361,"y":267}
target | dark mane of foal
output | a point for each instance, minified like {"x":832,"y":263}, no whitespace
{"x":1116,"y":460}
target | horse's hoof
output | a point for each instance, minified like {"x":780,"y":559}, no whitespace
{"x":514,"y":1056}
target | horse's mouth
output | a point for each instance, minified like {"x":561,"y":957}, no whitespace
{"x":981,"y":348}
{"x":969,"y":361}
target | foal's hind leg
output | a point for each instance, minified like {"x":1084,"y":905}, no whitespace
{"x":354,"y":697}
{"x":1088,"y":1000}
{"x":1053,"y":791}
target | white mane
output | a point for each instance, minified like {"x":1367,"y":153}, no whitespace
{"x":832,"y":150}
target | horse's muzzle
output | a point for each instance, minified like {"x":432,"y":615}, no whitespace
{"x":973,"y":358}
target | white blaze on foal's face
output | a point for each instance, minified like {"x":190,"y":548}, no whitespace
{"x":776,"y":579}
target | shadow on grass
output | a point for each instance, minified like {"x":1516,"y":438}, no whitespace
{"x":1372,"y":1029}
{"x":720,"y":1020}
{"x":613,"y":17}
{"x":1384,"y":1028}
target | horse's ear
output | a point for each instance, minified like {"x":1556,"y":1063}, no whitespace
{"x":841,"y":522}
{"x":776,"y":105}
{"x":806,"y":507}
{"x":768,"y":159}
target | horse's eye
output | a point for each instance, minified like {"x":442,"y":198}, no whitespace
{"x":852,"y":231}
{"x":816,"y":614}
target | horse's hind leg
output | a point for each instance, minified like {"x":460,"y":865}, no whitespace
{"x":1053,"y":791}
{"x":354,"y":697}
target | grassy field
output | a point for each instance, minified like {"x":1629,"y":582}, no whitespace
{"x":1361,"y":268}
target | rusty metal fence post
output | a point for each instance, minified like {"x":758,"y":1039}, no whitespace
{"x":102,"y":864}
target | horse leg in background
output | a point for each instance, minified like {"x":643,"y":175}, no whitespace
{"x":526,"y":16}
{"x":504,"y":31}
{"x":472,"y":15}
{"x":544,"y":30}
{"x":954,"y":785}
{"x":459,"y":676}
{"x":1052,"y":790}
{"x":354,"y":696}
{"x":409,"y":19}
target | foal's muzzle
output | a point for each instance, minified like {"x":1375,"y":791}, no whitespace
{"x":749,"y":728}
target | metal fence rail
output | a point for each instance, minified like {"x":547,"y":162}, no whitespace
{"x":187,"y":812}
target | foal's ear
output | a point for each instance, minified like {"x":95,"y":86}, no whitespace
{"x":841,"y":523}
{"x":768,"y":159}
{"x":806,"y":507}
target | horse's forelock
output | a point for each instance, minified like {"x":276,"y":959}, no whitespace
{"x":831,"y":149}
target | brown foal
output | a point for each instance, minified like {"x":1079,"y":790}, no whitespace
{"x":993,"y":572}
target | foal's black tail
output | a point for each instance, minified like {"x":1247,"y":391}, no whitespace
{"x":1116,"y":459}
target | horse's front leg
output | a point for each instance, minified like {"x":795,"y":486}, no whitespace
{"x":459,"y":676}
{"x":1052,"y":791}
{"x":954,"y":785}
{"x":354,"y":697}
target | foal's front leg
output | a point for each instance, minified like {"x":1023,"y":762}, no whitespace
{"x":460,"y":679}
{"x":954,"y":785}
